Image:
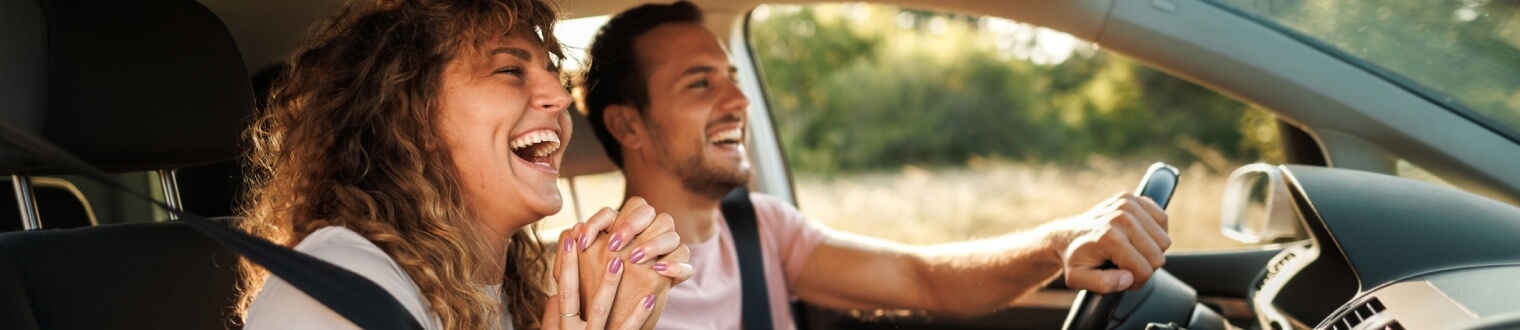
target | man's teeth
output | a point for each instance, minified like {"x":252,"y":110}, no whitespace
{"x":731,"y":135}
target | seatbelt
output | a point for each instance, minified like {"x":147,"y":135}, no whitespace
{"x":356,"y":298}
{"x":740,"y":214}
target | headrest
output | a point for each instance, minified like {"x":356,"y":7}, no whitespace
{"x":125,"y":85}
{"x":585,"y":154}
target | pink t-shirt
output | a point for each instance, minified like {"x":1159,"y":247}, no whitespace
{"x":711,"y":298}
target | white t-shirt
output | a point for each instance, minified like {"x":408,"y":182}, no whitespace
{"x":282,"y":306}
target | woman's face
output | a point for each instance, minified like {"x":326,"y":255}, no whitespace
{"x":502,"y":115}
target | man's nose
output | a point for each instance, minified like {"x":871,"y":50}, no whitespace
{"x":733,"y":99}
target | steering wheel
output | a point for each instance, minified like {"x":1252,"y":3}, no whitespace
{"x":1093,"y":311}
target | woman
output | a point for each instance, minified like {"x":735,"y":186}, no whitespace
{"x":411,"y":142}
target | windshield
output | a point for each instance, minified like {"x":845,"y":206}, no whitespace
{"x":1464,"y":53}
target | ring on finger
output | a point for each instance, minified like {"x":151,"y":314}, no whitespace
{"x":570,"y":315}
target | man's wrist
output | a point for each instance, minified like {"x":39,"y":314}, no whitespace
{"x":1056,"y":237}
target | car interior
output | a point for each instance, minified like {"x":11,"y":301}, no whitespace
{"x":158,"y":92}
{"x":184,"y":104}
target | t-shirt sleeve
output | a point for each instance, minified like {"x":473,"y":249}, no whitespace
{"x":791,"y":235}
{"x":281,"y":305}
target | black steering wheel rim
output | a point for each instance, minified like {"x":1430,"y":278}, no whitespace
{"x":1093,"y":311}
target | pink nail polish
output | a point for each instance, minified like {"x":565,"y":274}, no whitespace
{"x":649,"y":301}
{"x":617,"y":265}
{"x":637,"y":256}
{"x":660,"y":267}
{"x":616,"y":243}
{"x":585,"y":242}
{"x":569,"y":244}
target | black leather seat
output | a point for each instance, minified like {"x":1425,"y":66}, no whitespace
{"x":128,"y":276}
{"x":128,"y":86}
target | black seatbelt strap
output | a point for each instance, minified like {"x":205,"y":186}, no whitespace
{"x":356,"y":298}
{"x":740,"y":214}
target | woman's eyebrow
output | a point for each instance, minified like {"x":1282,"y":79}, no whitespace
{"x":514,"y":51}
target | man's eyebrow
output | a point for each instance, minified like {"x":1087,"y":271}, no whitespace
{"x":514,"y":51}
{"x":704,"y":69}
{"x":697,"y":70}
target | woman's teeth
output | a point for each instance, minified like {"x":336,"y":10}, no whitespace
{"x":534,"y":138}
{"x":536,"y":145}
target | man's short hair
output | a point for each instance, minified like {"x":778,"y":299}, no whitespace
{"x":615,"y":75}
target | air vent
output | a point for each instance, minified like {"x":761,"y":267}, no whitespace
{"x":1361,"y":314}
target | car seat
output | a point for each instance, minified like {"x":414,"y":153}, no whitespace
{"x":128,"y":86}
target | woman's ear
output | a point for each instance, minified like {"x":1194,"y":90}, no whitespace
{"x":626,"y":125}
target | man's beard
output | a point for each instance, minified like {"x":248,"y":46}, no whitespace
{"x":708,"y":181}
{"x":703,"y":179}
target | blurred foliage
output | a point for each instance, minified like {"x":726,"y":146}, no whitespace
{"x":862,"y":87}
{"x":1467,"y":51}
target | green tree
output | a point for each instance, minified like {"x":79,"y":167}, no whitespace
{"x":876,"y":87}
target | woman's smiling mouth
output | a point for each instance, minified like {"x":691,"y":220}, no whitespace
{"x":537,"y":147}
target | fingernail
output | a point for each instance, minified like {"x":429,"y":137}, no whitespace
{"x":569,"y":245}
{"x":585,"y":242}
{"x":616,"y":243}
{"x":1125,"y":280}
{"x":637,"y":256}
{"x":660,"y":266}
{"x":617,"y":265}
{"x":649,"y":301}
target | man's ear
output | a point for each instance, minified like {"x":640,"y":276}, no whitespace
{"x":626,"y":125}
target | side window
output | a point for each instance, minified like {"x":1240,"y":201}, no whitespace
{"x":926,"y":127}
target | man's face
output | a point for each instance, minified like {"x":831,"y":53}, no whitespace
{"x":696,"y":119}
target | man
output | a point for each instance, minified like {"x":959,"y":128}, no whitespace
{"x":663,"y":100}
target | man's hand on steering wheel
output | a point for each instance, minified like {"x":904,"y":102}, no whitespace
{"x":1127,"y":230}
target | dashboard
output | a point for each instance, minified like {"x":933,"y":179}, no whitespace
{"x":1390,"y":253}
{"x":1436,"y":301}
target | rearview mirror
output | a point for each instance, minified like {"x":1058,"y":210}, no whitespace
{"x":1256,"y":207}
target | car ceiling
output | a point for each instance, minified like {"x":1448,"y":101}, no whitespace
{"x":267,"y":31}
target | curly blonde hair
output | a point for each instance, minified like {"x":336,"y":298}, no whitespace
{"x":349,"y":140}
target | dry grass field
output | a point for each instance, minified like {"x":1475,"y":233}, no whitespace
{"x":986,"y":198}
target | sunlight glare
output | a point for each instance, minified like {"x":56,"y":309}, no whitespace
{"x":576,"y":35}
